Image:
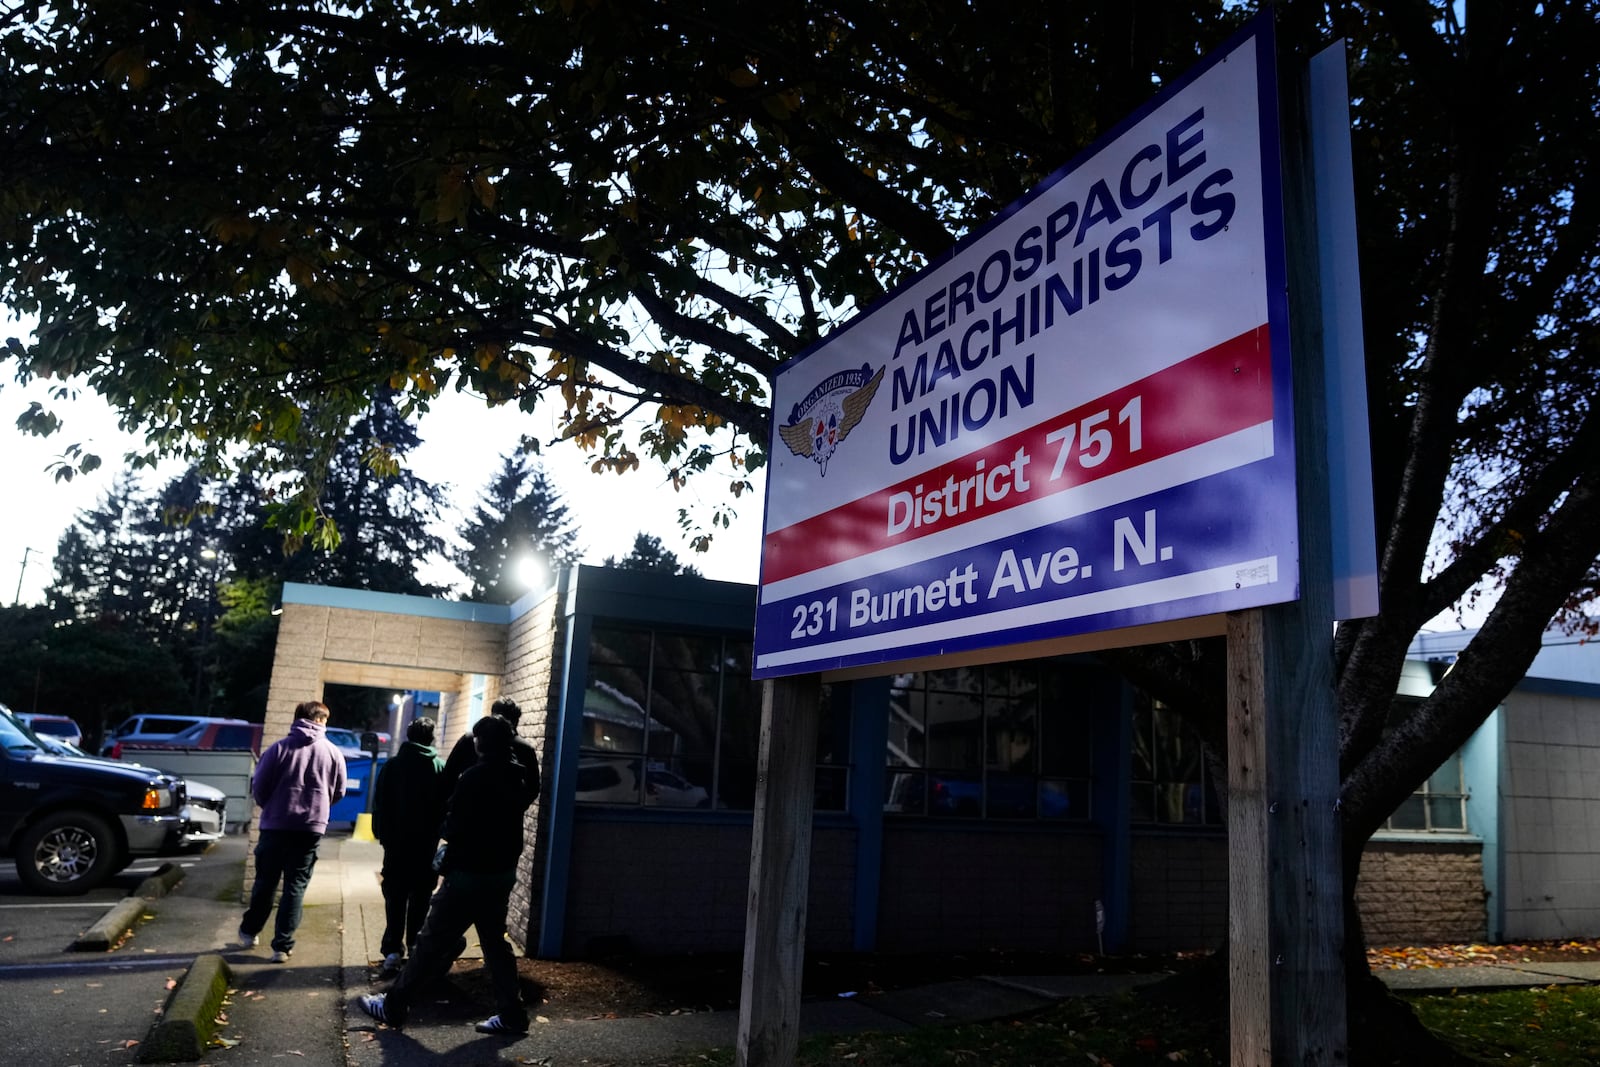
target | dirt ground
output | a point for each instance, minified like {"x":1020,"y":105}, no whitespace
{"x":630,"y":985}
{"x":642,"y":985}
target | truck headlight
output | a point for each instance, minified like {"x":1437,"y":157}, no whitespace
{"x":157,"y":798}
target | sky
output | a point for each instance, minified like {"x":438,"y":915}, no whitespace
{"x":462,"y":444}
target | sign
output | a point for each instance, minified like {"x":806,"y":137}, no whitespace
{"x":1078,"y":421}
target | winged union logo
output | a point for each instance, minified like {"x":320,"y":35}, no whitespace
{"x":829,"y":412}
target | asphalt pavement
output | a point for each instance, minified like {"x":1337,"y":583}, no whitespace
{"x":108,"y":1007}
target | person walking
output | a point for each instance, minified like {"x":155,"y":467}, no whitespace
{"x":483,"y":839}
{"x":408,"y":807}
{"x":297,"y":781}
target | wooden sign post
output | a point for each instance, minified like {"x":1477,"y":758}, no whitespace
{"x":780,"y":867}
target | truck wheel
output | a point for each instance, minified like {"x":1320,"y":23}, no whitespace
{"x":66,"y":853}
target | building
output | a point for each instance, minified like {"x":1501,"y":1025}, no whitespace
{"x":1040,"y":805}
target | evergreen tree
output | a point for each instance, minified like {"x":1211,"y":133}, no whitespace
{"x":649,"y":554}
{"x":382,"y":511}
{"x":521,"y":515}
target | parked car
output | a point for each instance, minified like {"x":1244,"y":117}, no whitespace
{"x":205,"y":816}
{"x":349,"y":742}
{"x":55,"y":725}
{"x":153,"y":728}
{"x":204,"y":813}
{"x":71,"y":822}
{"x":616,"y":781}
{"x":230,"y":735}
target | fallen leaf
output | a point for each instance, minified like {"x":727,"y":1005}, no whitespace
{"x":172,"y":983}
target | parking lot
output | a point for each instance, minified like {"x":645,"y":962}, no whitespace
{"x":64,"y":1006}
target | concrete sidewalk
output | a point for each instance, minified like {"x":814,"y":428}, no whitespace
{"x":431,"y":1037}
{"x":308,"y":1007}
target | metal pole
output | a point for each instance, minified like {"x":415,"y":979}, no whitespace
{"x":26,"y":552}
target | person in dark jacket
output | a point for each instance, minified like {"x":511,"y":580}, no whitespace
{"x":297,"y":782}
{"x":465,"y":754}
{"x":408,"y":806}
{"x":483,"y":839}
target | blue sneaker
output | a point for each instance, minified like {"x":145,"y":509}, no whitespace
{"x":373,"y":1005}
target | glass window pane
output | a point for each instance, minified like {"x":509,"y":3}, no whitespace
{"x":1410,"y":815}
{"x":833,"y":730}
{"x":907,"y":733}
{"x":905,"y":793}
{"x":955,"y":794}
{"x":615,"y":645}
{"x":741,"y":739}
{"x":1013,"y":732}
{"x":603,"y":780}
{"x":1012,"y":796}
{"x":683,"y":783}
{"x":1064,"y":704}
{"x":1142,"y":804}
{"x":955,"y":731}
{"x":1446,"y":813}
{"x":1061,"y":798}
{"x":683,"y":712}
{"x":1447,"y":779}
{"x":956,"y":680}
{"x":611,"y":719}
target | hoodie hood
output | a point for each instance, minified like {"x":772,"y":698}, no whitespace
{"x":305,"y":731}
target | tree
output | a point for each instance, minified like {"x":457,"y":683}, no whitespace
{"x":649,"y":554}
{"x":646,"y":211}
{"x":382,"y":512}
{"x":97,"y":671}
{"x":521,"y":516}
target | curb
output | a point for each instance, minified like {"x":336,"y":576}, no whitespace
{"x":189,"y":1020}
{"x":110,"y":927}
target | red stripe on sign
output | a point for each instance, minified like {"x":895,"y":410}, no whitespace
{"x":1220,"y":391}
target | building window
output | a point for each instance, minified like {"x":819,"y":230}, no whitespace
{"x":673,"y":720}
{"x":1008,"y":741}
{"x":1440,"y":805}
{"x":1171,"y":783}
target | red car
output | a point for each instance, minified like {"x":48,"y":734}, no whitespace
{"x":227,"y":735}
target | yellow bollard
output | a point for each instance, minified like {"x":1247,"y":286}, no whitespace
{"x":363,"y":830}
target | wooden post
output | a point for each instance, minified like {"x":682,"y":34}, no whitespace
{"x":1285,"y":880}
{"x":780,"y":869}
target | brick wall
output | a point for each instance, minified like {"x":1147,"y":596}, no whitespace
{"x":668,"y":887}
{"x":1420,"y":893}
{"x":962,"y":890}
{"x":318,"y":645}
{"x":1179,"y":892}
{"x":533,"y":647}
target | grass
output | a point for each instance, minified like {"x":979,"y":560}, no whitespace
{"x":1558,"y":1026}
{"x":1555,"y":1026}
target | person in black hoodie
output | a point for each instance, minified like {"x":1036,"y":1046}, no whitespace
{"x":408,"y":806}
{"x":465,"y":753}
{"x":483,"y":839}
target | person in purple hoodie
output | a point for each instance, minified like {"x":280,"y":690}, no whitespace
{"x":297,"y":780}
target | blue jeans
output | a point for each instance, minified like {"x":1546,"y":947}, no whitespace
{"x":285,"y":856}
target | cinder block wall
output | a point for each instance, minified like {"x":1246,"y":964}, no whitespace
{"x":1179,"y":896}
{"x":651,"y":887}
{"x":1422,"y":893}
{"x":532,"y":679}
{"x":318,"y":644}
{"x":992,"y":887}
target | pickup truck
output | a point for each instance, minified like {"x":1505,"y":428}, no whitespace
{"x":69,"y":822}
